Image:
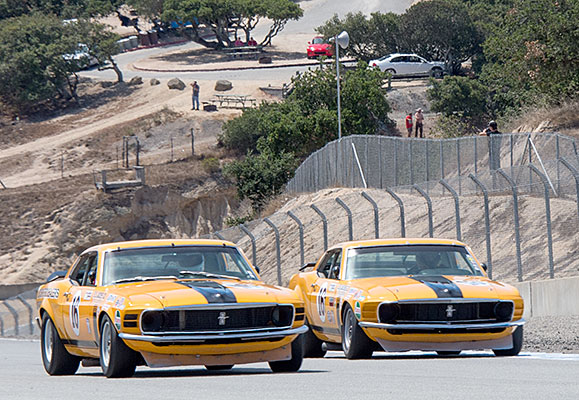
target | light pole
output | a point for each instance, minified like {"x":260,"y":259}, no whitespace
{"x":342,"y":40}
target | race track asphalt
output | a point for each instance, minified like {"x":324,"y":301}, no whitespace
{"x":478,"y":375}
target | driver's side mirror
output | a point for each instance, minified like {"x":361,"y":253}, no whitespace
{"x":256,"y":268}
{"x":56,"y":275}
{"x":307,"y":265}
{"x":309,"y":42}
{"x":485,"y":267}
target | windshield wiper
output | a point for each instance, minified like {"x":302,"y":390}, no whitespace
{"x":143,"y":279}
{"x":208,"y":275}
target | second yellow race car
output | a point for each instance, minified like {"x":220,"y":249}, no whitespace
{"x":406,"y":294}
{"x":166,"y":303}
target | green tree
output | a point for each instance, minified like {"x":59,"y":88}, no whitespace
{"x":370,"y":38}
{"x":440,"y":30}
{"x":65,"y":9}
{"x":261,"y":176}
{"x":533,"y":55}
{"x":458,"y":95}
{"x":219,"y":16}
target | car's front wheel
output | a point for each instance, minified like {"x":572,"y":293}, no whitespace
{"x":312,"y":345}
{"x":355,"y":343}
{"x":117,"y":359}
{"x":437,"y":73}
{"x":56,"y":359}
{"x":294,"y":364}
{"x":517,"y":344}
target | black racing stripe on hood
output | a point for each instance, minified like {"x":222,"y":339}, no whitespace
{"x":212,"y":291}
{"x":442,"y":286}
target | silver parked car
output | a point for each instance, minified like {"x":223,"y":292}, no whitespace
{"x":409,"y":65}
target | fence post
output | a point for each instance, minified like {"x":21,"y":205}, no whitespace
{"x":456,"y":207}
{"x":324,"y":222}
{"x":277,"y":248}
{"x":487,"y":223}
{"x":558,"y":155}
{"x":401,"y":206}
{"x":411,"y":159}
{"x":429,"y":204}
{"x":3,"y":185}
{"x":349,"y":213}
{"x":426,"y":141}
{"x":219,"y":235}
{"x":301,"y":229}
{"x":252,"y":238}
{"x":548,"y":217}
{"x":14,"y":315}
{"x":575,"y":175}
{"x":458,"y":166}
{"x":516,"y":219}
{"x":475,"y":154}
{"x":1,"y":327}
{"x":376,"y":214}
{"x":30,"y":312}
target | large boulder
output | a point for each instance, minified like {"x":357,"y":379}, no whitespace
{"x":223,"y":85}
{"x":136,"y":80}
{"x":155,"y":82}
{"x":176,"y":83}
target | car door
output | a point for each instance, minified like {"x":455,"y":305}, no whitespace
{"x":398,"y":64}
{"x":322,"y":300}
{"x":419,"y":66}
{"x":77,"y":308}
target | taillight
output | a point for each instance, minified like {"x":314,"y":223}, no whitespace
{"x":374,"y":65}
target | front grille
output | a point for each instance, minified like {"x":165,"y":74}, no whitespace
{"x":445,"y":312}
{"x":216,"y":319}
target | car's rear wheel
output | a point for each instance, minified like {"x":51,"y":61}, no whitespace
{"x":56,"y":359}
{"x":437,"y":73}
{"x":117,"y":359}
{"x":312,"y":345}
{"x":448,"y":353}
{"x":391,"y":71}
{"x":218,"y":367}
{"x":517,"y":344}
{"x":355,"y":343}
{"x":294,"y":364}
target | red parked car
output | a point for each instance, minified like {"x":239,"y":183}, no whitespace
{"x":319,"y":47}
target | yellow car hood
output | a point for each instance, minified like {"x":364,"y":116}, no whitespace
{"x":202,"y":291}
{"x":429,"y":287}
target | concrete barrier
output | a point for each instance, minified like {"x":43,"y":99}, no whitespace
{"x":553,"y":297}
{"x":7,"y":291}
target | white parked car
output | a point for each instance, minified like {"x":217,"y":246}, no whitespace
{"x":409,"y":65}
{"x":81,"y":57}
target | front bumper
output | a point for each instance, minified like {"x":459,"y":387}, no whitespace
{"x":202,"y":337}
{"x":435,"y":327}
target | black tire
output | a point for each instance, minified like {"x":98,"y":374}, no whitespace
{"x":437,"y":73}
{"x":312,"y":345}
{"x":517,"y":345}
{"x":116,"y":358}
{"x":391,"y":72}
{"x":355,"y":343}
{"x":55,"y":358}
{"x":295,"y":363}
{"x":448,"y":353}
{"x":218,"y":367}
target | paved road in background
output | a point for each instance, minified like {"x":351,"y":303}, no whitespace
{"x":478,"y":375}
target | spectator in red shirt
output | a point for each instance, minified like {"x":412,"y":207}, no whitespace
{"x":409,"y":124}
{"x":252,"y":42}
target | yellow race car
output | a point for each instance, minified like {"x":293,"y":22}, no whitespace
{"x":406,"y":294}
{"x":166,"y":303}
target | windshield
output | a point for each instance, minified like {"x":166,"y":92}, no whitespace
{"x":189,"y":262}
{"x":318,"y":40}
{"x":404,"y":260}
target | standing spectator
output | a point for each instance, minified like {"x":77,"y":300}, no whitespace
{"x":409,"y":124}
{"x":419,"y":118}
{"x":195,"y":95}
{"x":492,"y":131}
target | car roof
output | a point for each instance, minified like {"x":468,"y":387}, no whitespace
{"x":158,"y":243}
{"x":398,"y":241}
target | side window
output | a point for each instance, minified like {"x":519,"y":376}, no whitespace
{"x":335,"y":271}
{"x":90,"y":276}
{"x":397,"y":59}
{"x":326,"y":264}
{"x":77,"y":275}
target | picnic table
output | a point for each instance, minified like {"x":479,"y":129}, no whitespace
{"x":234,"y":100}
{"x":244,"y":52}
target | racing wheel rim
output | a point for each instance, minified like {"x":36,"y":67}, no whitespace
{"x":106,"y":344}
{"x":48,"y":340}
{"x":349,"y":329}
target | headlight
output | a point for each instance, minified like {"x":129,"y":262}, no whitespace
{"x":388,"y":312}
{"x":504,"y":311}
{"x":152,"y":321}
{"x":311,"y":49}
{"x":282,"y":315}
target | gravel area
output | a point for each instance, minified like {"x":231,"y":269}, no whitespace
{"x":552,"y":334}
